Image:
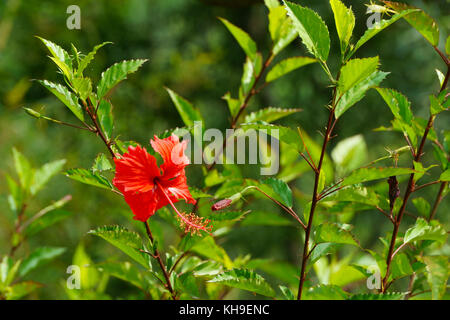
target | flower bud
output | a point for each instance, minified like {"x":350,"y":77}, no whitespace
{"x":32,"y":113}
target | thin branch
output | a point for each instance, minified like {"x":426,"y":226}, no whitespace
{"x":425,"y":185}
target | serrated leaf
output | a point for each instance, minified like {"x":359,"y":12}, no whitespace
{"x":89,"y":177}
{"x":23,"y":169}
{"x":59,"y":56}
{"x":48,"y":219}
{"x":101,"y":163}
{"x":378,"y":296}
{"x":45,"y":173}
{"x":423,"y":230}
{"x":287,"y":65}
{"x":437,"y":274}
{"x":287,"y":293}
{"x":357,"y":92}
{"x":349,"y":154}
{"x":106,"y":118}
{"x":208,"y":248}
{"x":325,"y":292}
{"x":245,"y":280}
{"x":281,"y":189}
{"x":38,"y":258}
{"x":370,"y":33}
{"x":345,"y":23}
{"x":445,"y":176}
{"x":356,"y":71}
{"x":281,"y":28}
{"x":422,"y":206}
{"x":127,"y":241}
{"x":398,"y":103}
{"x":82,"y":86}
{"x":88,"y":58}
{"x":421,"y":21}
{"x":21,"y":289}
{"x":189,"y":114}
{"x":124,"y":271}
{"x":401,"y":266}
{"x":284,"y":134}
{"x":69,"y":99}
{"x":115,"y":74}
{"x":370,"y":174}
{"x":311,"y":28}
{"x":269,"y":114}
{"x":242,"y":37}
{"x":330,"y":232}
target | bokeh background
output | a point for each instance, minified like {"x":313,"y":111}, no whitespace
{"x":191,"y":52}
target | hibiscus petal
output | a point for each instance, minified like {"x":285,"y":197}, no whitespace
{"x":142,"y":204}
{"x":172,"y":152}
{"x":177,"y":189}
{"x":135,"y":171}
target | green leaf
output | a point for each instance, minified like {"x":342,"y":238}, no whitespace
{"x":355,"y":71}
{"x":423,"y":230}
{"x":116,"y":73}
{"x":127,"y":241}
{"x":248,"y":77}
{"x":45,"y":173}
{"x":447,"y":46}
{"x":356,"y":93}
{"x":233,"y":104}
{"x":101,"y":163}
{"x":422,"y":206}
{"x":445,"y":176}
{"x":59,"y":56}
{"x":287,"y":65}
{"x":330,"y":232}
{"x":208,"y":248}
{"x":370,"y":174}
{"x":23,"y":169}
{"x":38,"y":258}
{"x":48,"y":219}
{"x":287,"y":293}
{"x":89,"y":276}
{"x":284,"y":271}
{"x":106,"y":118}
{"x":187,"y":111}
{"x":325,"y":292}
{"x":345,"y":23}
{"x":245,"y":280}
{"x":421,"y":21}
{"x":401,"y":266}
{"x":269,"y":114}
{"x":88,"y":177}
{"x":378,"y":296}
{"x":69,"y":99}
{"x":322,"y":250}
{"x":281,"y":189}
{"x":244,"y":40}
{"x":312,"y":30}
{"x":436,"y":106}
{"x":284,"y":134}
{"x":398,"y":103}
{"x":349,"y":154}
{"x":281,"y":28}
{"x":88,"y":58}
{"x":82,"y":86}
{"x":370,"y":33}
{"x":125,"y":271}
{"x":437,"y":274}
{"x":21,"y":289}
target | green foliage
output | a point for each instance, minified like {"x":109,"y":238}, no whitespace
{"x":245,"y":280}
{"x":312,"y":30}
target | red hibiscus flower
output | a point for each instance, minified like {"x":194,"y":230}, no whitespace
{"x":147,"y":187}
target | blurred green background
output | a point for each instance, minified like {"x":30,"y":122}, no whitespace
{"x":191,"y":52}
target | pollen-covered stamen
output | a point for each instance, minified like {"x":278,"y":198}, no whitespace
{"x":190,"y":222}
